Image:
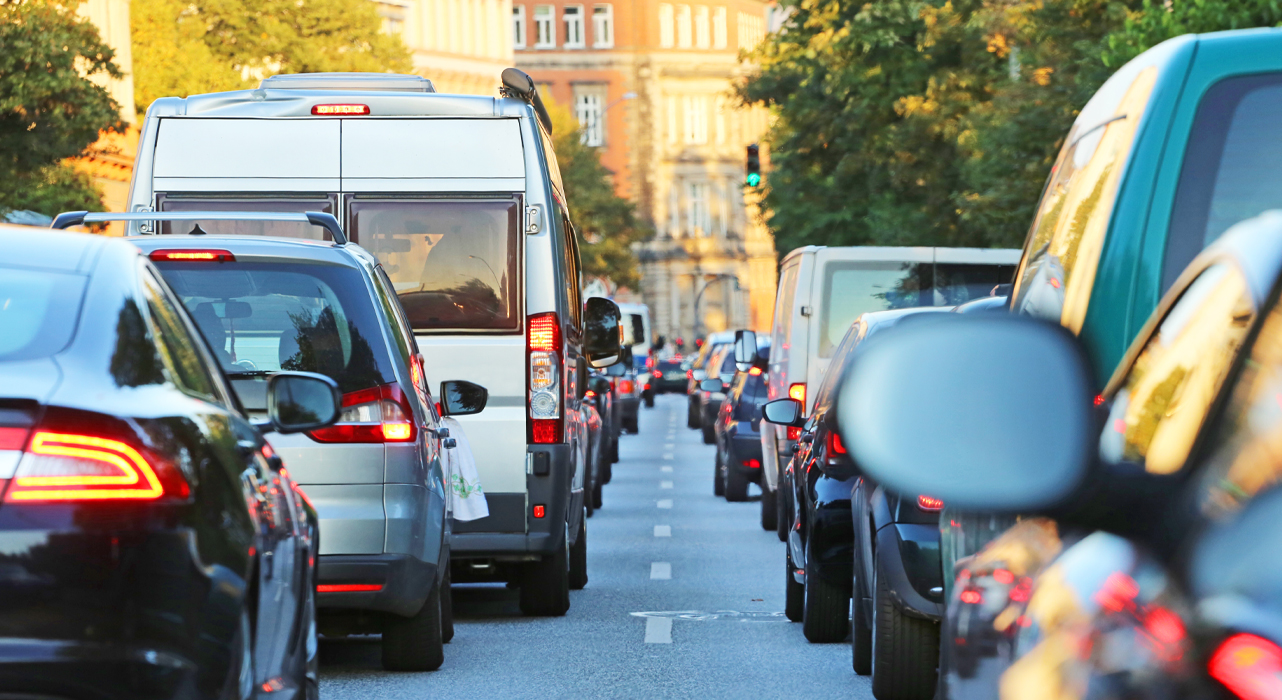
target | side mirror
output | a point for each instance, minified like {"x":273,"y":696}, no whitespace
{"x":785,"y":412}
{"x":601,"y":343}
{"x":460,"y":398}
{"x":301,"y":401}
{"x":984,"y":412}
{"x":745,"y":349}
{"x":714,"y":386}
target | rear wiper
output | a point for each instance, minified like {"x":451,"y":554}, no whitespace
{"x":250,"y":373}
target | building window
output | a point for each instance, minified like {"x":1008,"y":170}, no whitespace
{"x":702,"y":37}
{"x":518,"y":26}
{"x":573,"y":16}
{"x":665,"y":26}
{"x":544,"y":27}
{"x":603,"y":26}
{"x":589,"y":109}
{"x":683,"y":26}
{"x":751,"y":30}
{"x":719,"y":28}
{"x":674,"y":212}
{"x":697,"y":209}
{"x":719,"y":127}
{"x":672,"y":119}
{"x":696,"y":114}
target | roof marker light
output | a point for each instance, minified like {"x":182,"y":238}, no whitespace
{"x":339,"y":110}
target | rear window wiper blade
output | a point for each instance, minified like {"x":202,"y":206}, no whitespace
{"x":251,"y":373}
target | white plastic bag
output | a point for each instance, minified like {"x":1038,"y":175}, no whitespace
{"x":462,"y":482}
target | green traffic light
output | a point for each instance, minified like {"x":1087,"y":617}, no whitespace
{"x":754,"y":179}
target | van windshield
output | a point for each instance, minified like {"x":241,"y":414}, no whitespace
{"x":454,"y":263}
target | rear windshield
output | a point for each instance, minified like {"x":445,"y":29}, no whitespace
{"x":283,"y":229}
{"x":38,"y":312}
{"x":261,"y":318}
{"x":453,"y":263}
{"x":853,"y":288}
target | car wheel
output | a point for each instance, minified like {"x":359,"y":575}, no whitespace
{"x":596,"y":488}
{"x":614,"y":456}
{"x":415,"y":643}
{"x":545,"y":584}
{"x":718,"y":478}
{"x":692,"y":414}
{"x":631,"y":426}
{"x":579,"y":559}
{"x":589,"y":486}
{"x":905,"y":651}
{"x":769,"y":509}
{"x":649,"y":401}
{"x":709,"y":436}
{"x":447,"y":606}
{"x":860,"y":641}
{"x":826,"y":617}
{"x":609,"y":473}
{"x":736,"y":484}
{"x":794,"y":593}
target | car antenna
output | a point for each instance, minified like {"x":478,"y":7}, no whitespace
{"x":196,"y":231}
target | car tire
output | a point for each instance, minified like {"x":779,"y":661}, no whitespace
{"x":545,"y":584}
{"x":447,"y":606}
{"x":649,"y":401}
{"x":415,"y":643}
{"x":692,"y":414}
{"x":769,"y":509}
{"x":614,"y":455}
{"x":631,"y":426}
{"x":709,"y":435}
{"x":905,"y":651}
{"x":826,"y":615}
{"x":736,"y":484}
{"x":596,"y":488}
{"x":794,"y":599}
{"x":589,"y":485}
{"x":718,"y":477}
{"x":579,"y":558}
{"x":860,"y":641}
{"x":609,"y":473}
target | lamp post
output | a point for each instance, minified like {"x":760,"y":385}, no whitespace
{"x":699,"y":295}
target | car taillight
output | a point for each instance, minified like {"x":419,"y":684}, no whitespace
{"x":380,"y":414}
{"x":752,"y":463}
{"x":68,"y":467}
{"x":626,"y":386}
{"x":543,"y":342}
{"x":797,"y":392}
{"x":191,"y":255}
{"x":971,"y":596}
{"x":589,"y":394}
{"x":835,"y":448}
{"x":347,"y":110}
{"x":754,"y":371}
{"x":929,"y":504}
{"x":794,"y":433}
{"x":689,"y":374}
{"x":1249,"y":666}
{"x":647,"y":386}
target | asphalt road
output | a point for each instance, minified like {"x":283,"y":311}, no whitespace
{"x":684,"y":600}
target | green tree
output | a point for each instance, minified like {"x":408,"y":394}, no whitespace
{"x":50,"y":110}
{"x":1155,"y":22}
{"x":607,"y":223}
{"x":170,"y":55}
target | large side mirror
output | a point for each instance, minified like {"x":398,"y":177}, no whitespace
{"x":460,"y":398}
{"x":301,"y":401}
{"x":601,"y":343}
{"x":745,"y":349}
{"x":783,"y":412}
{"x":714,"y":386}
{"x":984,"y":412}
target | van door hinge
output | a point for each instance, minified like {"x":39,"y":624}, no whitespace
{"x":806,"y":310}
{"x":533,"y":219}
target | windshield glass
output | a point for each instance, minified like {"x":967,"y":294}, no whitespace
{"x":261,"y":318}
{"x":38,"y":311}
{"x":454,"y":264}
{"x":283,"y":229}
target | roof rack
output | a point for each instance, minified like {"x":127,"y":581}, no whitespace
{"x":517,"y":83}
{"x":389,"y":82}
{"x":67,"y":219}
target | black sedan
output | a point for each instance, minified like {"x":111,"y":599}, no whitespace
{"x":667,"y":376}
{"x":152,"y":545}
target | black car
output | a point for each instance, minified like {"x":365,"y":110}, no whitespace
{"x":738,"y":432}
{"x":152,"y":544}
{"x":668,"y":377}
{"x":710,"y":401}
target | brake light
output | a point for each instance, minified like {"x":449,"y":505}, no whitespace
{"x":543,"y":342}
{"x":797,"y":392}
{"x":752,"y":463}
{"x":754,"y":371}
{"x":349,"y":587}
{"x":190,"y":255}
{"x":647,"y":386}
{"x":971,"y":596}
{"x":12,"y":438}
{"x":834,"y":444}
{"x":626,"y":386}
{"x":928,"y":503}
{"x":339,"y":110}
{"x":380,"y":414}
{"x":64,"y":467}
{"x":689,"y":374}
{"x":1249,"y":666}
{"x":794,"y":433}
{"x":589,"y":394}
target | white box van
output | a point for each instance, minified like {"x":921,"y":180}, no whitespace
{"x":460,"y":199}
{"x":823,"y":290}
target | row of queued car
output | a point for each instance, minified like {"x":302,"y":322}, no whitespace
{"x":230,"y":431}
{"x":1068,"y":489}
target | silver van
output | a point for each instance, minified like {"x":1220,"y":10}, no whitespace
{"x":460,"y":199}
{"x":822,"y":290}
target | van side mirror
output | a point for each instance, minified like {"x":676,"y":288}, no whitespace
{"x":786,"y":412}
{"x":301,"y":401}
{"x":745,"y":349}
{"x":601,"y":340}
{"x":986,"y":412}
{"x":714,"y":386}
{"x":460,"y":398}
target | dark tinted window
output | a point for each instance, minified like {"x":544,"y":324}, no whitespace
{"x":1230,"y":170}
{"x":284,"y":229}
{"x":177,"y":346}
{"x":38,"y":312}
{"x":261,"y":318}
{"x":957,"y":283}
{"x":454,"y":264}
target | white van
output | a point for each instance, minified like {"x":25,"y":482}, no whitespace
{"x":460,"y":199}
{"x":823,"y":290}
{"x":636,"y":331}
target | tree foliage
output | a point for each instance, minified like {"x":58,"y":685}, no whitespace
{"x":607,"y":223}
{"x":50,"y":110}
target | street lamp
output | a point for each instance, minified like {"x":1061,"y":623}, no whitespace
{"x":706,"y":284}
{"x":629,"y":95}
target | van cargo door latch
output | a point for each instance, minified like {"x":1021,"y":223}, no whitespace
{"x":533,"y":219}
{"x":806,"y":311}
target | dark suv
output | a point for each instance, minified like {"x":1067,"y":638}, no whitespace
{"x":737,"y":431}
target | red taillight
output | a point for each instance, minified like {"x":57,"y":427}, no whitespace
{"x":349,"y":587}
{"x":752,"y":463}
{"x":379,"y":414}
{"x":797,"y":392}
{"x":929,"y":504}
{"x":12,"y":438}
{"x":191,"y":255}
{"x":834,"y":445}
{"x":794,"y":433}
{"x":648,"y":387}
{"x":62,"y":467}
{"x":589,"y":394}
{"x":540,"y":511}
{"x":971,"y":596}
{"x":543,"y":343}
{"x":544,"y":333}
{"x":626,"y":386}
{"x":1003,"y":576}
{"x":689,"y":374}
{"x":754,"y":371}
{"x":339,"y":110}
{"x":1249,"y":666}
{"x":546,"y":431}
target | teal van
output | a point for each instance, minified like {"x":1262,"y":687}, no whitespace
{"x":1178,"y":145}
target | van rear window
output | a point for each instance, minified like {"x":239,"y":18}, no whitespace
{"x":454,"y":263}
{"x":282,"y":229}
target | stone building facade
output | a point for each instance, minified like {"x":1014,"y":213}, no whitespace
{"x":650,"y":82}
{"x":461,"y":45}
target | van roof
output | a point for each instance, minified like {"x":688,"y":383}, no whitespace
{"x":395,"y":82}
{"x":298,"y":101}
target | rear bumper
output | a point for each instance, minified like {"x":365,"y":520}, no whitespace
{"x":405,"y":582}
{"x":628,"y":406}
{"x":742,"y":447}
{"x":507,"y":535}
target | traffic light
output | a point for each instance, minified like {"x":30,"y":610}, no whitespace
{"x":754,"y":166}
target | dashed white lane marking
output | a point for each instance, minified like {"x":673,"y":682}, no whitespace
{"x":665,"y":484}
{"x":666,"y":503}
{"x":669,"y":446}
{"x":660,"y":571}
{"x":667,"y":455}
{"x":662,"y":530}
{"x":658,"y":630}
{"x":666,"y":470}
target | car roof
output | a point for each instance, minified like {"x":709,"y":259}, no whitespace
{"x":49,"y":249}
{"x":261,"y":248}
{"x":889,"y":317}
